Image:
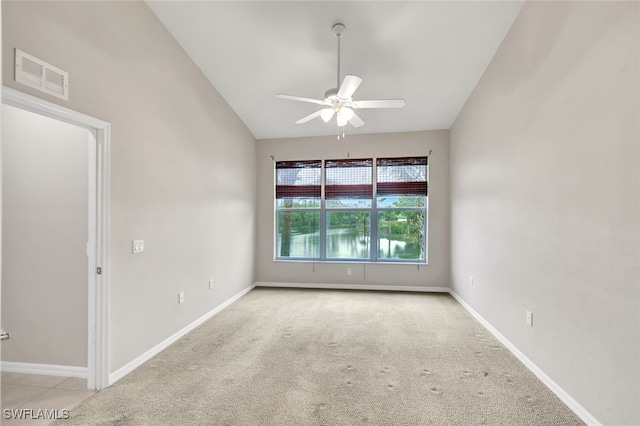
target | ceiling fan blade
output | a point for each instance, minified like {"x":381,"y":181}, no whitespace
{"x":383,"y":103}
{"x":309,"y":117}
{"x":299,"y":98}
{"x":356,"y":121}
{"x":349,"y":86}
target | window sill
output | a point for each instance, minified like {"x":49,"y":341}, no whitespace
{"x":350,"y":261}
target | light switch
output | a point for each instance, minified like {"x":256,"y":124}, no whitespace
{"x":138,"y":246}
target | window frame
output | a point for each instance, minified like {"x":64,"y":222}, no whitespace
{"x":373,"y":211}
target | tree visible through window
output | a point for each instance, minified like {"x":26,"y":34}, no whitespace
{"x":348,"y":201}
{"x":298,"y":190}
{"x":362,"y":210}
{"x":401,"y":201}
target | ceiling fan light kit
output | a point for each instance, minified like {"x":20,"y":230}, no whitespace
{"x":339,"y":101}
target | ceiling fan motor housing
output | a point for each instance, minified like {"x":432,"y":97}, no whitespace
{"x":331,"y":94}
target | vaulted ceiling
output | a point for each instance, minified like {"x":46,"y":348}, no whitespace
{"x":431,"y":53}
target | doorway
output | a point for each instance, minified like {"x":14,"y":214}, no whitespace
{"x":56,"y":220}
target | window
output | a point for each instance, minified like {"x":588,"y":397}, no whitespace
{"x":348,"y":199}
{"x":353,"y":209}
{"x":298,"y":190}
{"x":401,"y":201}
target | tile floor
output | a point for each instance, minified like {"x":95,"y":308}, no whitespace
{"x":33,"y":391}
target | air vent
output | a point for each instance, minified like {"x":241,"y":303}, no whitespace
{"x":38,"y":74}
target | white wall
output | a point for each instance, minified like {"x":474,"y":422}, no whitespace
{"x":182,"y":163}
{"x":44,"y":263}
{"x":545,"y":196}
{"x":435,"y":274}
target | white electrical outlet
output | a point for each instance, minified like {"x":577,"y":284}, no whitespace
{"x":210,"y":284}
{"x":181,"y":297}
{"x":529,"y":318}
{"x":348,"y":271}
{"x":138,"y":246}
{"x":471,"y":281}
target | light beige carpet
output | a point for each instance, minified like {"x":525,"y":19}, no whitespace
{"x":319,"y":357}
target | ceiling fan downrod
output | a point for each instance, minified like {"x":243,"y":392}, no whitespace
{"x":338,"y":30}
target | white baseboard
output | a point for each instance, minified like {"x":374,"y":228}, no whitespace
{"x":355,"y":287}
{"x":135,"y":363}
{"x":45,"y":369}
{"x":573,"y":405}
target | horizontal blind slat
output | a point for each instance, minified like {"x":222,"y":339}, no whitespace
{"x":402,"y":161}
{"x":351,"y":162}
{"x":307,"y":164}
{"x":402,"y":188}
{"x":348,"y":191}
{"x":298,"y":191}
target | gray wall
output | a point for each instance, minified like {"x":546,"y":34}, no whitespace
{"x":1,"y":206}
{"x":545,"y":197}
{"x":182,"y":163}
{"x":44,"y":274}
{"x":435,"y":274}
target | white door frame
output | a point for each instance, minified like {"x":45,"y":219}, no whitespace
{"x":98,"y":247}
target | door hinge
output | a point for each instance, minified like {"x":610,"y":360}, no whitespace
{"x":4,"y":335}
{"x":99,"y":270}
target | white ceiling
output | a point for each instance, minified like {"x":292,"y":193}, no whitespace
{"x":431,"y":53}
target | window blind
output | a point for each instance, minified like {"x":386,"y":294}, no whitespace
{"x":298,"y":179}
{"x":401,"y":176}
{"x":348,"y":179}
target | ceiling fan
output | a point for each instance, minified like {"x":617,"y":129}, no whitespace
{"x":339,"y":102}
